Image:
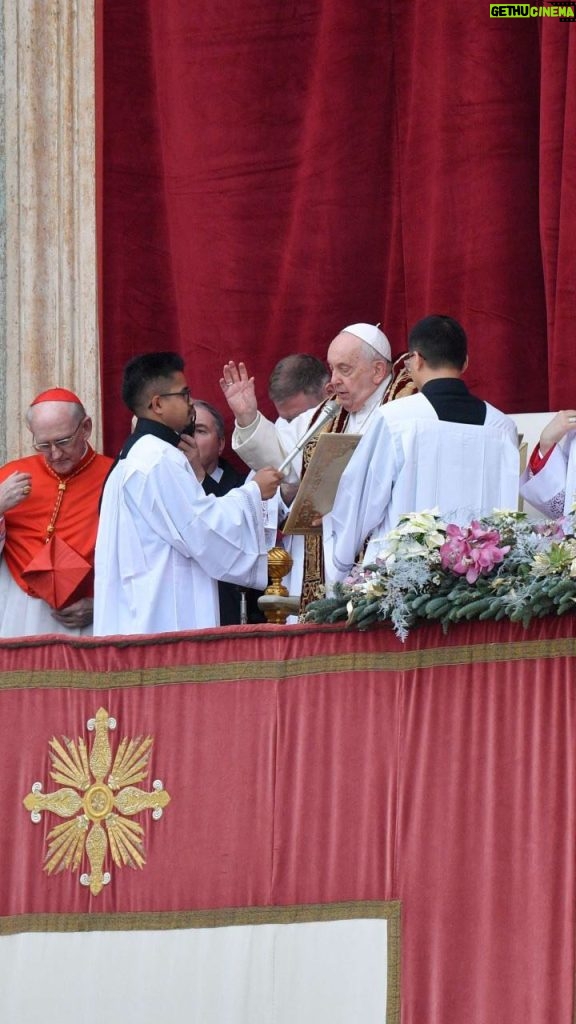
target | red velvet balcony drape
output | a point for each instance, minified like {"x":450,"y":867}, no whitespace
{"x":274,"y":171}
{"x":311,"y":765}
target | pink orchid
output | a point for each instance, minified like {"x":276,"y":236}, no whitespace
{"x":471,"y":551}
{"x":560,"y":528}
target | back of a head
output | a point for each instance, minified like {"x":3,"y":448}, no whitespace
{"x":298,"y":373}
{"x":440,"y":340}
{"x":144,"y":374}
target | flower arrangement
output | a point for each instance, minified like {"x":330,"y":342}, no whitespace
{"x":501,"y":566}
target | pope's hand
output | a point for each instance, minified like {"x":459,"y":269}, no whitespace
{"x":239,"y":392}
{"x":15,"y":489}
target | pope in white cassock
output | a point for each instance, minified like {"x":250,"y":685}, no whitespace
{"x":549,"y":480}
{"x":162,"y":542}
{"x":441,"y":448}
{"x":360,"y":363}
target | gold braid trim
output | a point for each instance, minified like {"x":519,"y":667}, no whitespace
{"x":313,"y":575}
{"x":401,"y":385}
{"x":194,"y":672}
{"x":218,"y":918}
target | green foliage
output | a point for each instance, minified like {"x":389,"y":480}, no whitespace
{"x":413,"y":582}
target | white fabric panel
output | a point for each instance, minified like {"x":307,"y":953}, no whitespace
{"x":332,"y":972}
{"x":530,"y":425}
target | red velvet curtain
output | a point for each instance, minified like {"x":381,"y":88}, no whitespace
{"x":272,"y":171}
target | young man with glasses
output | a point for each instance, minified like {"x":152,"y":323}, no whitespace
{"x":162,"y":542}
{"x":48,"y":522}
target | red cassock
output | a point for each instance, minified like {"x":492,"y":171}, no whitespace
{"x":52,"y":557}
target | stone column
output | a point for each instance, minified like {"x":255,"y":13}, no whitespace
{"x":49,"y":323}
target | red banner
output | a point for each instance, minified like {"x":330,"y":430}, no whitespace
{"x":307,"y":766}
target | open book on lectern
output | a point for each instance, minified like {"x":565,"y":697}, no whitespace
{"x":317,"y":491}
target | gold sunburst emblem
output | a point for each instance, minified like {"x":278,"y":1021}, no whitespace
{"x":99,"y":797}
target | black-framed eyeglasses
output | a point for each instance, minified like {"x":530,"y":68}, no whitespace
{"x":183,"y":393}
{"x":63,"y":442}
{"x":410,"y":355}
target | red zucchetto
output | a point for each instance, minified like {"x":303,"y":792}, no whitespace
{"x":56,"y":395}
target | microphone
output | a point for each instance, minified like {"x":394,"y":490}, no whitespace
{"x":330,"y":410}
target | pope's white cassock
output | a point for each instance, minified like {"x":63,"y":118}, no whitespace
{"x":410,"y":460}
{"x":553,"y":489}
{"x":263,"y":443}
{"x":162,"y":544}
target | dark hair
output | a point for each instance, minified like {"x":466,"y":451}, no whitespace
{"x":295,"y":374}
{"x":216,"y":416}
{"x":145,"y":374}
{"x":440,"y":340}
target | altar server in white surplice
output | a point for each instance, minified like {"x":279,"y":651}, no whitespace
{"x":549,"y":481}
{"x":442,"y":447}
{"x":162,"y":542}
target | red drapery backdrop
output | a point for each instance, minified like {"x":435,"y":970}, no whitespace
{"x":313,"y":765}
{"x":274,"y":171}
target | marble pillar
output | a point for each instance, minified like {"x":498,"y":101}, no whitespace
{"x":48,"y":288}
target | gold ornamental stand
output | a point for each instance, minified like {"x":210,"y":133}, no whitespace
{"x":276,"y":603}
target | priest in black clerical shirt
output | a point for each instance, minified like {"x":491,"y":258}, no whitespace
{"x":237,"y":604}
